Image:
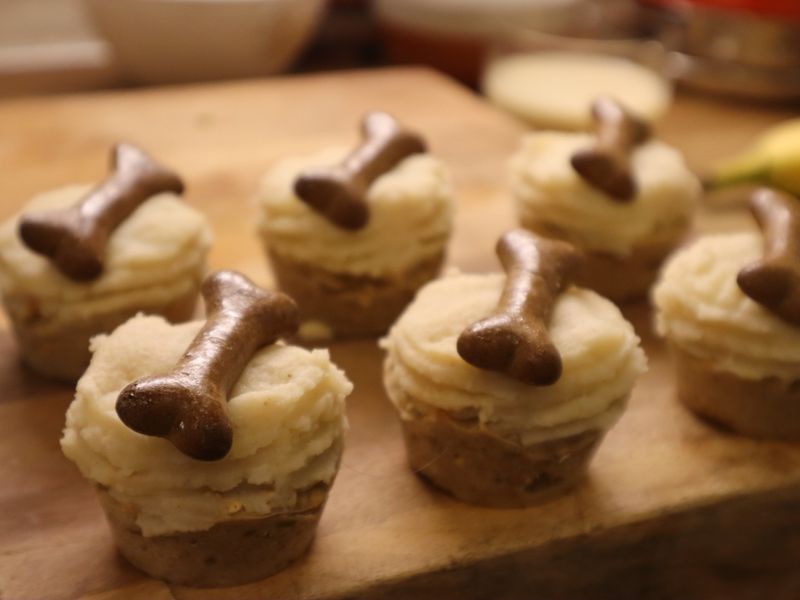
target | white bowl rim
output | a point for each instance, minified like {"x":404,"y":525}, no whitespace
{"x":219,"y":2}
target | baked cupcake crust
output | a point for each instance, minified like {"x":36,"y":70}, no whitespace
{"x":62,"y":350}
{"x":768,"y":407}
{"x":234,"y":552}
{"x":219,"y":522}
{"x":351,"y":305}
{"x":354,"y":283}
{"x":736,"y":363}
{"x":480,"y":467}
{"x":487,"y":438}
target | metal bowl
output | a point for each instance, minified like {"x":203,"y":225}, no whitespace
{"x":747,"y":54}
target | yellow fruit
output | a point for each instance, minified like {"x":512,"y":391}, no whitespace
{"x":774,"y":159}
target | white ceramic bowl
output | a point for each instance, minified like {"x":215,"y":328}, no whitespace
{"x":166,"y":41}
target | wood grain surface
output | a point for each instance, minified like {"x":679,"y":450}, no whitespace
{"x":672,"y":508}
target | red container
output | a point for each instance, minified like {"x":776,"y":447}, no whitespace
{"x":768,"y":8}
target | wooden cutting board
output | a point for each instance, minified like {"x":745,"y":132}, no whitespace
{"x":672,"y":508}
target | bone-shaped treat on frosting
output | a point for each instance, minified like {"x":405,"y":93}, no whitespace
{"x":188,"y":406}
{"x":774,"y":280}
{"x":606,"y":165}
{"x":74,"y":239}
{"x":339,"y":192}
{"x":515,"y":338}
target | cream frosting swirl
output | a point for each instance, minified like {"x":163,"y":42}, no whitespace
{"x":548,"y":190}
{"x":702,"y":310}
{"x":287,"y":410}
{"x":599,"y":349}
{"x":410,"y":218}
{"x":163,"y":244}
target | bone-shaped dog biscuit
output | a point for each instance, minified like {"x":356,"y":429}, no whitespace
{"x":515,"y":338}
{"x":188,"y":406}
{"x":607,"y":164}
{"x":774,"y":280}
{"x":339,"y":193}
{"x":75,"y":238}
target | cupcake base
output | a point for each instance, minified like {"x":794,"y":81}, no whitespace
{"x":624,"y":279}
{"x":764,"y":408}
{"x":478,"y":467}
{"x":620,"y":279}
{"x":351,"y":305}
{"x":233,"y":552}
{"x":62,"y":352}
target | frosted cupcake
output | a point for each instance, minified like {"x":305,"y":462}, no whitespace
{"x":622,"y":197}
{"x":353,"y":243}
{"x":506,"y":384}
{"x":729,"y":307}
{"x":215,"y":466}
{"x":80,"y":260}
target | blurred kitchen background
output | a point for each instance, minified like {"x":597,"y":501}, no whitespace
{"x":735,"y":48}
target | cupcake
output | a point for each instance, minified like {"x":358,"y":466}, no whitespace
{"x":352,"y":243}
{"x":729,"y":308}
{"x":506,"y":383}
{"x":80,"y":260}
{"x":212,"y":446}
{"x":622,"y":197}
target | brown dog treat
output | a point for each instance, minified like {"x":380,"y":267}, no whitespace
{"x":339,"y":193}
{"x":75,"y":238}
{"x":188,"y":405}
{"x":606,"y":165}
{"x":514,"y":339}
{"x":774,"y":281}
